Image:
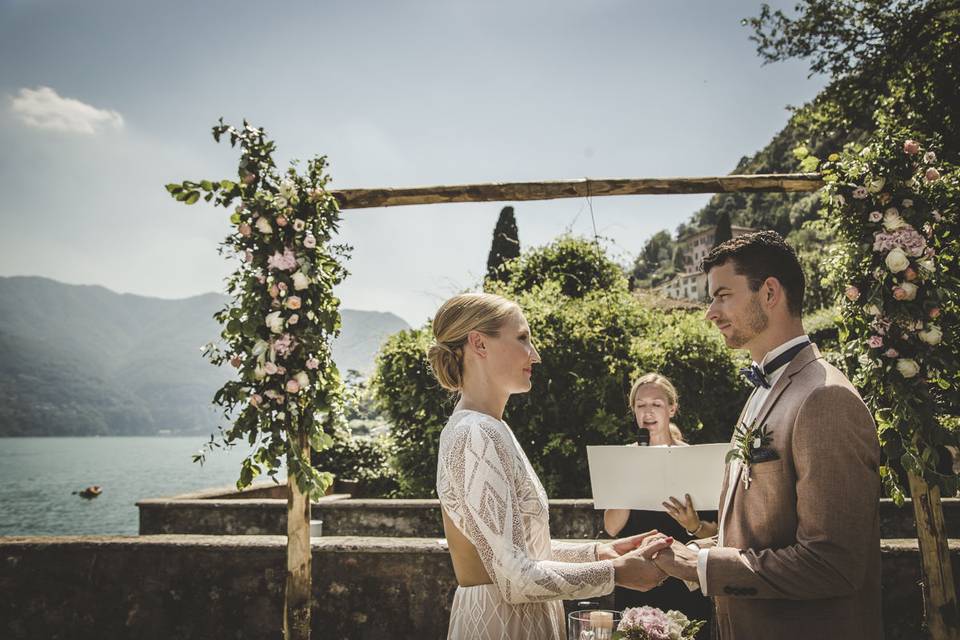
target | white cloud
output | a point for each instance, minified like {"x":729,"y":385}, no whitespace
{"x":44,"y":108}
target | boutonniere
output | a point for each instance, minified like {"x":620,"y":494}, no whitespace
{"x":747,"y":442}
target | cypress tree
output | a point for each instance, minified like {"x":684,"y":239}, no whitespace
{"x":723,"y":231}
{"x":505,"y":246}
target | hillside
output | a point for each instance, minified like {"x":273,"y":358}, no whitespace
{"x":83,"y":360}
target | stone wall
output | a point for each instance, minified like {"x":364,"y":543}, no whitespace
{"x":173,"y":587}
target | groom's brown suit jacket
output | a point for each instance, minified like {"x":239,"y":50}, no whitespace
{"x":801,"y":546}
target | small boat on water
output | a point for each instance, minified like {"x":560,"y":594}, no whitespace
{"x":90,"y":492}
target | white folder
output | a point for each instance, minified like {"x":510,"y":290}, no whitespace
{"x":630,"y":477}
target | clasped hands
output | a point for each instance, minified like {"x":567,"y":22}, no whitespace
{"x":646,"y":560}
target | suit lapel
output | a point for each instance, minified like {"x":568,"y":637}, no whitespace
{"x":801,"y":360}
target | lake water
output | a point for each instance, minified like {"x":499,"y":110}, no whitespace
{"x":38,"y":476}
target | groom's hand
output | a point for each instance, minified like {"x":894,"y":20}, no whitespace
{"x":617,"y":548}
{"x":679,"y":561}
{"x":636,"y":569}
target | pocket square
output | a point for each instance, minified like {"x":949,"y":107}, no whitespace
{"x":763,"y":454}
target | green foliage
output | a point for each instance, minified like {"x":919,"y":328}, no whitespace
{"x":655,"y":257}
{"x":577,"y":265}
{"x":592,"y":344}
{"x":893,"y":208}
{"x":282,"y":316}
{"x":505,"y":245}
{"x":366,"y":459}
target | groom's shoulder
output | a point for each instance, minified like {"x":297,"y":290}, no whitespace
{"x":822,"y":384}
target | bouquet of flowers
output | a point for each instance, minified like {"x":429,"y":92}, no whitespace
{"x":649,"y":623}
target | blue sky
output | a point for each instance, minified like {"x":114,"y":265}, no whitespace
{"x":103,"y":102}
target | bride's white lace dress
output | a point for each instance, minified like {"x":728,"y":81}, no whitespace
{"x":493,"y":496}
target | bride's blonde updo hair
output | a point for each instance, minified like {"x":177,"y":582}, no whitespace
{"x":483,"y":312}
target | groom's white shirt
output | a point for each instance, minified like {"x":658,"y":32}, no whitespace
{"x":754,"y":402}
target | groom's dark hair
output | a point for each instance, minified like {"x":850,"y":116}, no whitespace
{"x":759,"y":256}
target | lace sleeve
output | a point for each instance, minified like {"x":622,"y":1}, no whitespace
{"x":477,"y":488}
{"x":574,"y":551}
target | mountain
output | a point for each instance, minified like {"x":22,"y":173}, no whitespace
{"x":83,"y":360}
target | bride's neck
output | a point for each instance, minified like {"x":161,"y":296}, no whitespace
{"x":483,"y":398}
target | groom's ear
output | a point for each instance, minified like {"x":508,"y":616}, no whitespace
{"x":771,"y":292}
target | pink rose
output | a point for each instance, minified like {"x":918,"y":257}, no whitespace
{"x":274,"y":291}
{"x":860,"y":193}
{"x":281,"y":221}
{"x":899,"y":293}
{"x":270,"y":368}
{"x":281,"y":370}
{"x":282,"y":286}
{"x":852,"y":293}
{"x":292,"y":386}
{"x":245,"y":230}
{"x":294,"y":319}
{"x":249,"y":178}
{"x":309,"y":241}
{"x":910,"y":274}
{"x":248,"y":256}
{"x":932,"y":175}
{"x":875,"y":342}
{"x":875,"y":216}
{"x":313,"y":363}
{"x":911,"y":147}
{"x":236,"y":361}
{"x":293,"y":302}
{"x":255,"y":400}
{"x":891,"y":353}
{"x":935,"y":312}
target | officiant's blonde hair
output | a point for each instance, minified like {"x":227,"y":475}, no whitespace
{"x":456,"y":318}
{"x":663,"y":383}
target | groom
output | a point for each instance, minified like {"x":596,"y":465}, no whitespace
{"x":798,"y":549}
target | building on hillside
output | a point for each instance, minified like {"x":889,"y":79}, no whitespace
{"x":694,"y":246}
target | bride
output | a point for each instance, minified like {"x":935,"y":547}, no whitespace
{"x":511,"y":575}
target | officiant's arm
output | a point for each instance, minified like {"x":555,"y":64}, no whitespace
{"x":836,"y":455}
{"x":614,"y":520}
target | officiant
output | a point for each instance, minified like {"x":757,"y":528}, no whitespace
{"x":653,"y":402}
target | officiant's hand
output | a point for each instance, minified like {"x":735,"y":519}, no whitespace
{"x":679,"y":561}
{"x":636,"y":569}
{"x":615,"y":549}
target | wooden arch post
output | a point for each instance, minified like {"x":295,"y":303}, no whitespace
{"x":940,"y":598}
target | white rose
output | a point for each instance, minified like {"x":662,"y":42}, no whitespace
{"x":933,"y":335}
{"x":260,"y":347}
{"x":302,"y":379}
{"x":892,"y":219}
{"x":910,"y":290}
{"x":275,"y":321}
{"x":897,"y":260}
{"x":287,"y":188}
{"x":263,"y":226}
{"x":907,"y":367}
{"x":300,"y":281}
{"x":876,"y":186}
{"x":281,"y":202}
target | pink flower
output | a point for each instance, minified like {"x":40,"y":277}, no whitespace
{"x":313,"y":363}
{"x":270,"y":368}
{"x":293,"y":302}
{"x":932,"y":175}
{"x":250,"y":178}
{"x":285,"y":261}
{"x":935,"y":312}
{"x":255,"y":400}
{"x":284,"y":345}
{"x":281,"y":370}
{"x":309,"y":241}
{"x":891,"y":353}
{"x":236,"y":361}
{"x":281,"y":221}
{"x":299,"y":225}
{"x":911,"y":147}
{"x":899,"y":293}
{"x":282,"y":286}
{"x":860,"y":193}
{"x":245,"y":230}
{"x":852,"y":293}
{"x":910,"y":274}
{"x":274,"y":291}
{"x":292,"y":386}
{"x":875,"y":216}
{"x":294,"y":319}
{"x":875,"y":342}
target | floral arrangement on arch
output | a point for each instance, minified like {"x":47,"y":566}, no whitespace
{"x":893,"y":205}
{"x":282,"y":315}
{"x":650,"y":623}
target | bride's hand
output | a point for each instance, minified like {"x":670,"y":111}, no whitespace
{"x":683,"y":512}
{"x":617,"y":548}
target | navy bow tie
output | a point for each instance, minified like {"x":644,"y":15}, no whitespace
{"x":758,"y":375}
